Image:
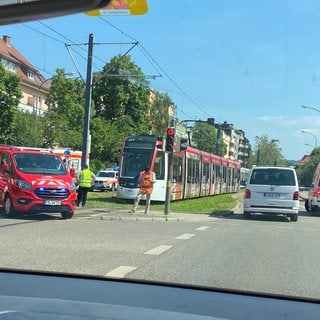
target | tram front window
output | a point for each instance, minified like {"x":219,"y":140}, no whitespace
{"x":134,"y":162}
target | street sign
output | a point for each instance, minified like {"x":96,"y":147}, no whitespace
{"x":121,"y":8}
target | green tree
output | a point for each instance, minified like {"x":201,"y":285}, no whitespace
{"x":122,"y":90}
{"x":159,"y":113}
{"x":205,"y":137}
{"x":64,"y":119}
{"x":266,"y":152}
{"x":107,"y":137}
{"x":306,"y":171}
{"x":27,"y":130}
{"x":10,"y":95}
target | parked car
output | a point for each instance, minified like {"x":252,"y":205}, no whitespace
{"x":272,"y":190}
{"x":105,"y":180}
{"x":312,"y":203}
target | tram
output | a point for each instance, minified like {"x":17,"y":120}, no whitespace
{"x":195,"y":173}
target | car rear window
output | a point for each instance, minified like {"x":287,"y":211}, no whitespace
{"x":273,"y":176}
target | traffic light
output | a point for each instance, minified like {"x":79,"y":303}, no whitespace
{"x":181,"y":144}
{"x":170,"y":139}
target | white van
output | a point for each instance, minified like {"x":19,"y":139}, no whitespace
{"x":272,"y":190}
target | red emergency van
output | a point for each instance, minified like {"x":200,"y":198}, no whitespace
{"x":35,"y":180}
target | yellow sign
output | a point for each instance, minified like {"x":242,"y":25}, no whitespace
{"x":121,"y":8}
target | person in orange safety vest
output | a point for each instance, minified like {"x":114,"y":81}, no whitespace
{"x":147,"y":179}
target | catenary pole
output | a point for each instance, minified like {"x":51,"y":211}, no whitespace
{"x":86,"y":124}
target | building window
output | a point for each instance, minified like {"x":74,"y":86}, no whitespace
{"x":8,"y":65}
{"x":31,"y":75}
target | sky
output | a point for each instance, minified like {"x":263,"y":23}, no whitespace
{"x":250,"y":63}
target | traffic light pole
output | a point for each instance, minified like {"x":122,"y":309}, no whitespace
{"x":168,"y":184}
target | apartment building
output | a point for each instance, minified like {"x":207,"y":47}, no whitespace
{"x":34,"y":86}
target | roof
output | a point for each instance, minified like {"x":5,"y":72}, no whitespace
{"x":10,"y":53}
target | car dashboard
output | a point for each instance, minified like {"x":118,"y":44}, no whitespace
{"x":33,"y":295}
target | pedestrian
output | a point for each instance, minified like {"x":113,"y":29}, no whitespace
{"x":147,"y":179}
{"x":72,"y":171}
{"x":86,"y":179}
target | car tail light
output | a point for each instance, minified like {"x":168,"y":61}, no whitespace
{"x":315,"y":194}
{"x":296,"y":195}
{"x":247,"y":194}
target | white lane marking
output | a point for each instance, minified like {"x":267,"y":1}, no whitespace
{"x":309,"y":229}
{"x":313,"y":221}
{"x":158,"y":250}
{"x":185,"y":236}
{"x":278,"y":227}
{"x":203,"y":228}
{"x":120,"y":272}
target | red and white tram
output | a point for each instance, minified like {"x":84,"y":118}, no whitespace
{"x":195,"y":173}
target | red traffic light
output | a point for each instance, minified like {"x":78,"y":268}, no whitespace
{"x":170,"y":131}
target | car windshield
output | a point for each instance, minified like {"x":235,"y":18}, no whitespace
{"x":182,"y":100}
{"x":105,"y":174}
{"x":39,"y":164}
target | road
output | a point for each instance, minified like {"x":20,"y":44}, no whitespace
{"x":264,"y":254}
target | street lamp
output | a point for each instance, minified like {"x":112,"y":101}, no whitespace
{"x":314,"y":136}
{"x":307,"y":107}
{"x":38,"y":108}
{"x":309,"y":145}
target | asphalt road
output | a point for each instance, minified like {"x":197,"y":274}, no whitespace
{"x":264,"y":254}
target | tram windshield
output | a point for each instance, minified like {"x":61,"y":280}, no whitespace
{"x":134,"y":161}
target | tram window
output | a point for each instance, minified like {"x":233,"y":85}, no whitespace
{"x":189,"y":171}
{"x":159,"y":166}
{"x":197,"y":171}
{"x":224,"y":174}
{"x":193,"y":171}
{"x":205,"y":173}
{"x":219,"y":173}
{"x":214,"y":173}
{"x":177,"y":169}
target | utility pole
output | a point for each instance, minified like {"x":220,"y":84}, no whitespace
{"x":86,"y":124}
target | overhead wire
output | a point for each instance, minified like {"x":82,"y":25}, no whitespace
{"x":150,"y":58}
{"x":147,"y":55}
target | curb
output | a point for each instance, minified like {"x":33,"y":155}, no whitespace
{"x":124,"y":215}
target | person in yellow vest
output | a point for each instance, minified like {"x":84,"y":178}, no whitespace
{"x":147,"y":179}
{"x":86,"y":179}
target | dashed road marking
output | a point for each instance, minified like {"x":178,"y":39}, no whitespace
{"x":279,"y":227}
{"x":158,"y":250}
{"x":185,"y":236}
{"x":203,"y":228}
{"x":120,"y":272}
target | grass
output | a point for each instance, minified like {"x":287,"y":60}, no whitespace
{"x":207,"y":205}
